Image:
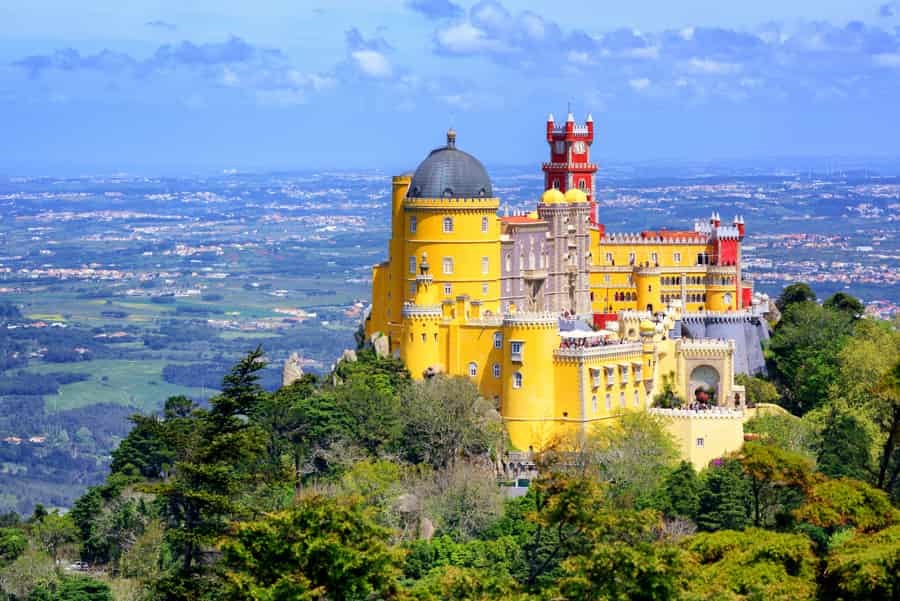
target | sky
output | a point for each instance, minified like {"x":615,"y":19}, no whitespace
{"x":173,"y":87}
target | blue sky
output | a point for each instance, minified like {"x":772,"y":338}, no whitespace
{"x":169,"y":86}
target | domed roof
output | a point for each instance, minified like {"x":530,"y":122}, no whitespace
{"x":575,"y":195}
{"x":552,"y":196}
{"x":647,"y":327}
{"x":450,"y":173}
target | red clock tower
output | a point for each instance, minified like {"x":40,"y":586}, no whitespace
{"x":570,"y":158}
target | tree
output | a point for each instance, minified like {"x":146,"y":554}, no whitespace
{"x":205,"y":490}
{"x":757,"y":390}
{"x":846,"y":503}
{"x":804,"y":351}
{"x":845,"y":448}
{"x":12,"y":544}
{"x":864,"y":567}
{"x":754,"y":564}
{"x":773,"y":474}
{"x":680,"y":493}
{"x":633,"y":456}
{"x":466,"y":500}
{"x":445,"y":419}
{"x":841,"y":301}
{"x":321,"y":549}
{"x":799,"y":292}
{"x":787,"y":432}
{"x":54,"y":532}
{"x":145,"y":451}
{"x":724,"y":497}
{"x":72,"y":588}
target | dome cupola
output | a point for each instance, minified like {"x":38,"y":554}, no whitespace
{"x":450,"y":173}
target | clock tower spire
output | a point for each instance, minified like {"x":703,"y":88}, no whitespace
{"x":570,"y":158}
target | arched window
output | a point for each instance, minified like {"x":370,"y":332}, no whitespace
{"x":498,"y":340}
{"x":582,"y":185}
{"x":448,"y":225}
{"x":508,"y":262}
{"x":608,"y":401}
{"x":496,"y":370}
{"x":413,"y":224}
{"x":517,"y":380}
{"x":556,"y":184}
{"x":637,"y":398}
{"x":473,"y":369}
{"x":594,"y":404}
{"x":622,"y":399}
{"x":412,"y":264}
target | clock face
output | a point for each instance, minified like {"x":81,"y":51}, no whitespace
{"x":580,"y":148}
{"x":559,"y":147}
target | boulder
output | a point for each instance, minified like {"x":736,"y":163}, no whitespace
{"x":293,"y":370}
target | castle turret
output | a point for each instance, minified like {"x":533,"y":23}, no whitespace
{"x":647,"y":288}
{"x":528,"y":395}
{"x":420,"y":350}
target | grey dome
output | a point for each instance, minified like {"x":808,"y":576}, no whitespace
{"x":450,"y":173}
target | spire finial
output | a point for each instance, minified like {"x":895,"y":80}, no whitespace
{"x":451,"y":138}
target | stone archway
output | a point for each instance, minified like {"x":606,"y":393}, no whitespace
{"x":704,"y":378}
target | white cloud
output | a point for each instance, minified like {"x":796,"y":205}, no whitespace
{"x":579,"y":58}
{"x":711,"y":67}
{"x":687,"y":34}
{"x":372,"y":63}
{"x":465,"y":38}
{"x":889,"y":59}
{"x":639,"y":85}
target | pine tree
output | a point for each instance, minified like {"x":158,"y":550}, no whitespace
{"x":681,"y":492}
{"x":724,"y":499}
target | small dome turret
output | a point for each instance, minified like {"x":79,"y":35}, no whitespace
{"x":450,"y":173}
{"x":575,"y":195}
{"x":647,"y":327}
{"x":552,"y":197}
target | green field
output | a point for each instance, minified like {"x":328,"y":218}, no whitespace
{"x":137,"y":384}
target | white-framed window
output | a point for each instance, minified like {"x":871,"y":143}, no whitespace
{"x":496,"y":370}
{"x":448,"y":225}
{"x":608,"y":401}
{"x":637,"y":398}
{"x":610,"y":376}
{"x":517,"y":380}
{"x":594,"y":404}
{"x":676,"y":257}
{"x":556,"y":184}
{"x":498,"y":340}
{"x":638,"y":373}
{"x":447,"y":265}
{"x":606,"y":279}
{"x":595,"y":378}
{"x":473,"y":369}
{"x":624,"y":371}
{"x":484,"y":289}
{"x":515,"y":350}
{"x":484,"y":225}
{"x":413,"y":224}
{"x":622,"y":399}
{"x":654,"y":258}
{"x":700,"y":442}
{"x":448,"y":289}
{"x":582,"y":185}
{"x":485,"y":265}
{"x":412,"y":264}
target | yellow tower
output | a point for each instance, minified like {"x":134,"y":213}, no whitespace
{"x":529,"y":391}
{"x":647,"y":288}
{"x":420,"y":348}
{"x":451,"y":215}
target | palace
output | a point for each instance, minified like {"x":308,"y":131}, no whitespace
{"x":563,"y":323}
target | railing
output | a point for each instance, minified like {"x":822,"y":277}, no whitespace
{"x":606,"y":350}
{"x":711,"y":413}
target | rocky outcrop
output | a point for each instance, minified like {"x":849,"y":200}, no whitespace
{"x":293,"y":370}
{"x":381,"y":344}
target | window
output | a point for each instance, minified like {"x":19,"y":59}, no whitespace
{"x":473,"y":369}
{"x":654,"y":258}
{"x":582,"y":185}
{"x":447,"y":265}
{"x":608,"y":401}
{"x":595,"y":377}
{"x":700,"y":442}
{"x":413,"y":224}
{"x":508,"y":262}
{"x":624,"y":370}
{"x":412,"y":264}
{"x":517,"y":380}
{"x":631,"y":258}
{"x":485,"y":265}
{"x":606,"y":279}
{"x":448,"y":290}
{"x":448,"y":225}
{"x":412,"y":288}
{"x":609,"y":258}
{"x":610,"y":376}
{"x":498,"y":340}
{"x":515,"y":350}
{"x":637,"y":398}
{"x":484,"y":225}
{"x":496,"y":370}
{"x":484,"y":289}
{"x":622,"y":399}
{"x":556,"y":184}
{"x":677,"y":257}
{"x":594,"y":403}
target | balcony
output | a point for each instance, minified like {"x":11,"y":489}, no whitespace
{"x":534,"y":274}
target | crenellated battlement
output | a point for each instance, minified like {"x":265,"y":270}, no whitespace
{"x":492,"y":203}
{"x":411,"y":311}
{"x":711,"y":413}
{"x":719,"y":316}
{"x":608,"y":351}
{"x":638,"y":239}
{"x":538,"y":319}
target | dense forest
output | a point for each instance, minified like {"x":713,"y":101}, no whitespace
{"x":365,"y":485}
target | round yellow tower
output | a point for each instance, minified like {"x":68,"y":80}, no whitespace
{"x":451,"y":214}
{"x":529,"y":391}
{"x":647,"y":289}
